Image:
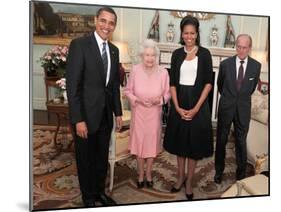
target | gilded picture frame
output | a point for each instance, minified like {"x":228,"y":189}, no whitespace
{"x":198,"y":15}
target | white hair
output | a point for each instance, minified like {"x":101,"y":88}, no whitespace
{"x":149,"y":43}
{"x":245,"y":35}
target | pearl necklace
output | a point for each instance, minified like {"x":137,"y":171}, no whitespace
{"x":192,"y":50}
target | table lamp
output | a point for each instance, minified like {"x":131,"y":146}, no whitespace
{"x":124,"y":59}
{"x":262,"y":57}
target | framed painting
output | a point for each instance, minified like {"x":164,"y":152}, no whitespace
{"x":263,"y":87}
{"x":58,"y":23}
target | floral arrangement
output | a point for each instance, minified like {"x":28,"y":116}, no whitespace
{"x":54,"y":60}
{"x":61,"y":83}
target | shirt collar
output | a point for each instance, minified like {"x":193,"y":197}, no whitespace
{"x":238,"y":60}
{"x":100,"y":41}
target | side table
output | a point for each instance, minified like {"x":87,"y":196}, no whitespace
{"x":62,"y":112}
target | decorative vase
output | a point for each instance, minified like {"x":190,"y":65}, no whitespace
{"x":64,"y":96}
{"x":214,"y":38}
{"x":170,"y":34}
{"x":51,"y":72}
{"x":60,"y":72}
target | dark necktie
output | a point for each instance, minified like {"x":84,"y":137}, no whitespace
{"x":104,"y":58}
{"x":240,"y":75}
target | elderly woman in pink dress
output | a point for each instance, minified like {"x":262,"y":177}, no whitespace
{"x":147,"y":90}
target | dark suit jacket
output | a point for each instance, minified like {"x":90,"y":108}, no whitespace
{"x":231,"y":100}
{"x":88,"y":95}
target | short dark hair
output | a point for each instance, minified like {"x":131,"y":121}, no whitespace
{"x":107,"y":9}
{"x":190,"y":20}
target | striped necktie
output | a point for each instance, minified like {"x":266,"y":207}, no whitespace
{"x":104,"y":58}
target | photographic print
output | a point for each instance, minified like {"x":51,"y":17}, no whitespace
{"x":56,"y":181}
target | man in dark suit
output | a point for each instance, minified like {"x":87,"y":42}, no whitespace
{"x":93,"y":82}
{"x":237,"y":80}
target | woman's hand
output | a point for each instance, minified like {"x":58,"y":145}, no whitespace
{"x":156,"y":100}
{"x":187,"y":114}
{"x":145,"y":103}
{"x":181,"y":112}
{"x":191,"y":113}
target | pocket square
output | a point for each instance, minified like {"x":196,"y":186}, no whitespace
{"x":251,"y":78}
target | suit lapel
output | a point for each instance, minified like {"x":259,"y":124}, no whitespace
{"x":97,"y":56}
{"x":233,"y":73}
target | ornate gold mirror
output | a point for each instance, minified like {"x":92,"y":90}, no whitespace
{"x":198,"y":15}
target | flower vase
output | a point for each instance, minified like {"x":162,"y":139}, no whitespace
{"x":51,"y":72}
{"x":60,"y":72}
{"x":64,"y":96}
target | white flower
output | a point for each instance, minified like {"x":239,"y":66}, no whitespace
{"x":55,"y":58}
{"x":61,"y":83}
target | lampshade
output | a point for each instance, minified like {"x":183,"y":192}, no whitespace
{"x":123,"y":51}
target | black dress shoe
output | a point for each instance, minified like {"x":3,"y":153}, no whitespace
{"x":189,"y":196}
{"x":89,"y":203}
{"x":140,"y":184}
{"x":149,"y":184}
{"x":105,"y":200}
{"x":174,"y":189}
{"x":218,"y":178}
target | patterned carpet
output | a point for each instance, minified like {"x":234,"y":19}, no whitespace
{"x":56,"y":182}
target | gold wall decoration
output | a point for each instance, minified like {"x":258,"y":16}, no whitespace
{"x":198,"y":15}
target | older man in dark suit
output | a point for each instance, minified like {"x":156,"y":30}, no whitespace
{"x":237,"y":80}
{"x":93,"y":82}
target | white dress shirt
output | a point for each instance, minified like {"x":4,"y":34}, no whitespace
{"x":100,"y":42}
{"x":238,"y":65}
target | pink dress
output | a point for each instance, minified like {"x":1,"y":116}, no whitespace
{"x":145,"y":125}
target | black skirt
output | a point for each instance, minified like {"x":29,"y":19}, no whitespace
{"x":192,"y":139}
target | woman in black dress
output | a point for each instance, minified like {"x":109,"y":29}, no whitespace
{"x":189,"y":129}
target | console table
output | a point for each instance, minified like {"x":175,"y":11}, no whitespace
{"x":62,"y":112}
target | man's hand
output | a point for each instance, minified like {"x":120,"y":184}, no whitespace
{"x":81,"y":129}
{"x":118,"y":121}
